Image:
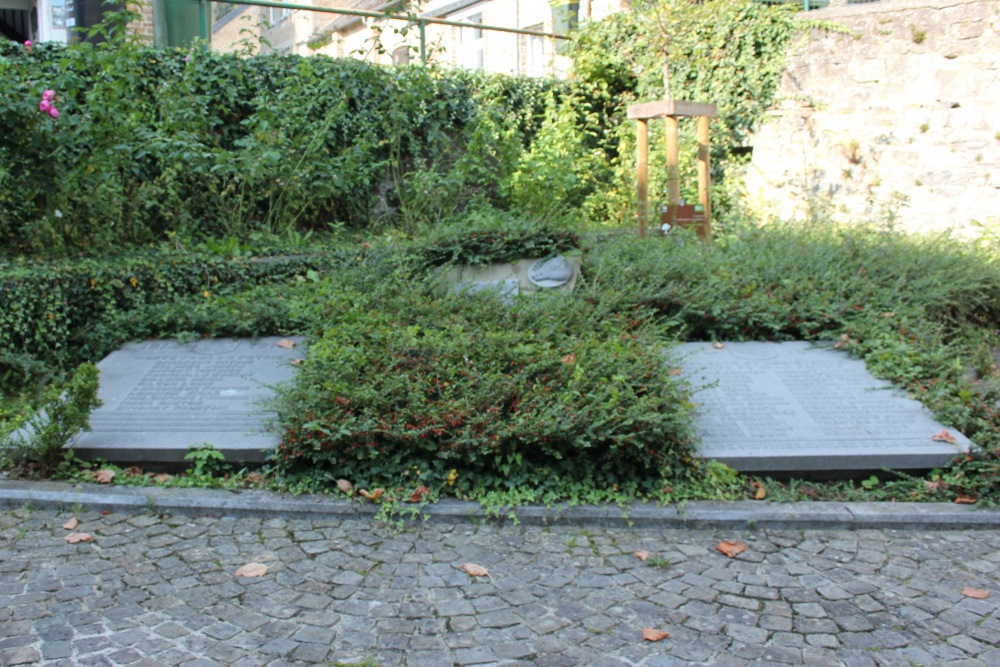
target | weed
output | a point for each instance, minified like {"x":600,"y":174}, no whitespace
{"x":918,"y":36}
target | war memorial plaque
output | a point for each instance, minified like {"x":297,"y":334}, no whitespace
{"x":161,"y":397}
{"x":786,"y":407}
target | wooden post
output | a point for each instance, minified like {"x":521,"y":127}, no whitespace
{"x":642,"y":169}
{"x":704,"y":176}
{"x":673,"y":160}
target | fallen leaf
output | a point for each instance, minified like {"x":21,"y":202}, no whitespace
{"x":888,"y":313}
{"x":452,"y":476}
{"x":718,"y":346}
{"x":106,"y":512}
{"x":345,"y":486}
{"x":134,"y":470}
{"x":642,"y":555}
{"x":71,"y":524}
{"x":286,"y":343}
{"x":252,"y":570}
{"x":651,"y":635}
{"x":104,"y":476}
{"x":965,"y":500}
{"x":296,"y":362}
{"x":474,"y":570}
{"x":844,"y":340}
{"x":366,"y":245}
{"x":254,"y":478}
{"x":944,"y":436}
{"x":731,"y":549}
{"x":341,"y":400}
{"x":569,"y":358}
{"x":374,"y":495}
{"x":761,"y":492}
{"x":675,"y":372}
{"x":73,"y":538}
{"x":935,"y":485}
{"x":977,"y":593}
{"x":418,"y":494}
{"x":162,"y":478}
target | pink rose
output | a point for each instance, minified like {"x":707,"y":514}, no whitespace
{"x":48,"y":95}
{"x":44,"y":105}
{"x":54,"y":112}
{"x":27,"y":43}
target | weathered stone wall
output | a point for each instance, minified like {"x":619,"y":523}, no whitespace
{"x":898,"y":121}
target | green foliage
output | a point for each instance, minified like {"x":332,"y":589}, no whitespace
{"x":507,"y":396}
{"x":65,"y":413}
{"x":58,"y":313}
{"x":153,"y":140}
{"x":730,"y":53}
{"x":206,"y":461}
{"x":492,"y":236}
{"x":922,"y":311}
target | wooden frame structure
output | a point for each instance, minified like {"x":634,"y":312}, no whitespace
{"x":670,"y":111}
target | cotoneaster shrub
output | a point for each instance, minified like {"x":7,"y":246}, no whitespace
{"x":409,"y":378}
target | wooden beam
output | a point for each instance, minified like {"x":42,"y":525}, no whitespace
{"x":642,"y":171}
{"x":672,"y":144}
{"x":661,"y":108}
{"x":704,"y":176}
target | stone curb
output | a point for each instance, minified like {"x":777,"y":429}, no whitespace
{"x":696,"y":514}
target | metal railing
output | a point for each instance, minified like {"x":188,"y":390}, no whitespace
{"x":420,"y":21}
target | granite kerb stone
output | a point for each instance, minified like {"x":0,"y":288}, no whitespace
{"x":694,"y":514}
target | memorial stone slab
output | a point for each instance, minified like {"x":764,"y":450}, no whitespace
{"x":801,"y":407}
{"x":551,"y":272}
{"x":161,"y":397}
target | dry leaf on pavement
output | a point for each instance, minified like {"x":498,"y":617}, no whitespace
{"x":418,"y":494}
{"x":162,"y":478}
{"x":71,"y":524}
{"x":651,"y":635}
{"x":718,"y":346}
{"x":474,"y":570}
{"x":286,"y":343}
{"x":760,"y":492}
{"x":104,"y":476}
{"x":345,"y":486}
{"x":252,"y":570}
{"x":944,"y":436}
{"x":977,"y":593}
{"x":73,"y":538}
{"x":373,"y":495}
{"x":642,"y":554}
{"x":731,"y":549}
{"x":965,"y":500}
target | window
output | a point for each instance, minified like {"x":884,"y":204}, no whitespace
{"x":534,"y":52}
{"x":472,"y":43}
{"x":276,"y":15}
{"x":401,"y":56}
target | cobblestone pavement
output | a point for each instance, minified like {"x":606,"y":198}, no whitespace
{"x":154,"y":590}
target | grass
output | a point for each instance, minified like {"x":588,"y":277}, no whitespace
{"x":922,"y":311}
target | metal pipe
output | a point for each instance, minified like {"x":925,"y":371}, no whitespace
{"x":396,"y":17}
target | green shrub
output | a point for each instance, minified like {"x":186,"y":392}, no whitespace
{"x":508,"y":396}
{"x":486,"y":236}
{"x":220,"y":145}
{"x":57,"y":314}
{"x":65,"y":413}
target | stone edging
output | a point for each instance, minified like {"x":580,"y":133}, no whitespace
{"x":695,"y":514}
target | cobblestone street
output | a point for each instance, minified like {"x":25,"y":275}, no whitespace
{"x":161,"y":590}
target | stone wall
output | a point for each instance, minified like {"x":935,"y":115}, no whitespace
{"x":143,"y":25}
{"x":898,"y":121}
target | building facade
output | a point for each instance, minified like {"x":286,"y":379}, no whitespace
{"x":389,"y":41}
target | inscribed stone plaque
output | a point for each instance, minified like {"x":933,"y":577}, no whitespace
{"x":801,"y":407}
{"x":160,"y":397}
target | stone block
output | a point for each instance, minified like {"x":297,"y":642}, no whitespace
{"x":800,"y":407}
{"x":161,"y":397}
